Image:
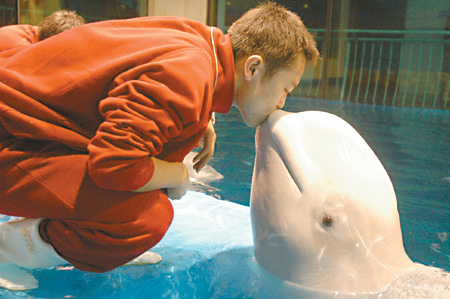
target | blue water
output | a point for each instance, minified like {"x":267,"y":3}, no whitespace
{"x":208,"y":251}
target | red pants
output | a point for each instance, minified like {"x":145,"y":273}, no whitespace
{"x":94,"y":229}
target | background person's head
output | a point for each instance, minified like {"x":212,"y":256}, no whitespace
{"x":275,"y":33}
{"x":58,"y":22}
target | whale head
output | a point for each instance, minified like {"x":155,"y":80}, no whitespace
{"x":323,"y":209}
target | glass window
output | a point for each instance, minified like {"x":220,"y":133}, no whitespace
{"x":312,"y":12}
{"x":8,"y":12}
{"x":377,"y":14}
{"x":98,"y":10}
{"x":33,"y":11}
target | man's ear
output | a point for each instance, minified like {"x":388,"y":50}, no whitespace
{"x":254,"y":67}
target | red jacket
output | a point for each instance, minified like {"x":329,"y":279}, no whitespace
{"x":14,"y":36}
{"x":122,"y":91}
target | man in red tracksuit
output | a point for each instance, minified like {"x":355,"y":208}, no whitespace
{"x":95,"y":123}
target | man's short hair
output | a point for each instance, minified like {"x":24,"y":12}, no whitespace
{"x":58,"y":22}
{"x":275,"y":33}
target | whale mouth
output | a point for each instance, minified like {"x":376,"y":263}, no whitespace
{"x":274,"y":122}
{"x":288,"y":168}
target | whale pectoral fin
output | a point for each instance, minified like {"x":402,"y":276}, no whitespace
{"x":16,"y":279}
{"x":145,"y":259}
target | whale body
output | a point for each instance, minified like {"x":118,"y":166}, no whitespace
{"x":323,"y":208}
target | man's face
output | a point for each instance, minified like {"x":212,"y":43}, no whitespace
{"x":257,"y":97}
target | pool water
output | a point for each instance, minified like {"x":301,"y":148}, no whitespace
{"x":208,"y":251}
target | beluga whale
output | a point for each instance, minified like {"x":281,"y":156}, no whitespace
{"x":323,"y":208}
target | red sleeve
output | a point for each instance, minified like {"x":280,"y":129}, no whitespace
{"x":147,"y":106}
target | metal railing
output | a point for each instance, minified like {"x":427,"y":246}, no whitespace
{"x":383,"y":67}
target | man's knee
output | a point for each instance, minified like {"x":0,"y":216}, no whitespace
{"x":100,"y":247}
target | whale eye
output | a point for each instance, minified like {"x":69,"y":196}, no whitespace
{"x":327,"y":220}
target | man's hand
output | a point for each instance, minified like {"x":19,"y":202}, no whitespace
{"x":180,"y":190}
{"x":209,"y":140}
{"x":170,"y":176}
